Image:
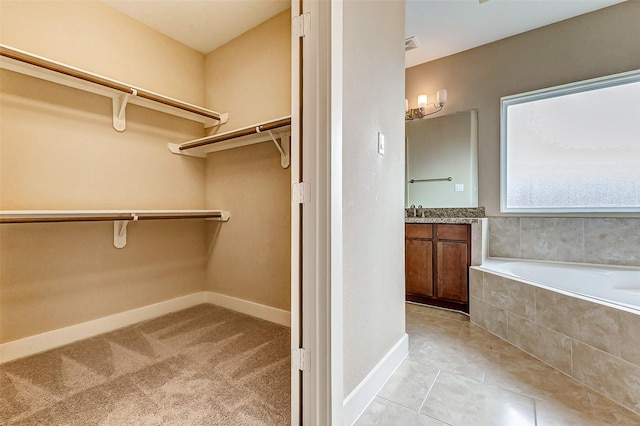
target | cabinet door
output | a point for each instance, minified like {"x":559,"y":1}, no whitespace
{"x":419,"y":267}
{"x":452,"y":264}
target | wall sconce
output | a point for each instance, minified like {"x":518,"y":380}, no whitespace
{"x":423,"y":102}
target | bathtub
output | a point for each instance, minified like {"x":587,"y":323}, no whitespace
{"x":581,"y":319}
{"x":618,"y":285}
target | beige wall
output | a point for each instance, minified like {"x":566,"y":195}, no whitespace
{"x":592,"y":45}
{"x":59,"y":151}
{"x":250,"y":77}
{"x":250,"y":256}
{"x":58,"y":275}
{"x":372,"y":185}
{"x":94,"y":37}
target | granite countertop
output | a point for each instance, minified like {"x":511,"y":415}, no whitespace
{"x":443,"y":215}
{"x":456,"y":220}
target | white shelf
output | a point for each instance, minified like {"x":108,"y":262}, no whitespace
{"x":272,"y":130}
{"x":120,"y":218}
{"x":121,"y":94}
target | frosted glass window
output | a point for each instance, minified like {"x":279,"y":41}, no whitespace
{"x":573,"y":148}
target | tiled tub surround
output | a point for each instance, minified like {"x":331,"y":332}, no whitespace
{"x":597,"y":344}
{"x":610,"y":284}
{"x":611,"y":241}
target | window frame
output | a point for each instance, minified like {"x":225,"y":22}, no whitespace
{"x":546,"y":93}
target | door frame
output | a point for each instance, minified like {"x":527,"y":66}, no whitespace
{"x":296,"y":221}
{"x":317,"y":242}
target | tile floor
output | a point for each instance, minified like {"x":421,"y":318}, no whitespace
{"x":459,"y":374}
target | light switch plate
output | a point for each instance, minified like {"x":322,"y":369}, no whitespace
{"x":380,"y":143}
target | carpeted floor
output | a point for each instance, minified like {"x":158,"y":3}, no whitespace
{"x":201,"y":366}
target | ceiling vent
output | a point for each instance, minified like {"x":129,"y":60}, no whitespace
{"x":411,"y":43}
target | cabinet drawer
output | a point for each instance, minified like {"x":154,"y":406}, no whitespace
{"x":452,"y":232}
{"x":418,"y":230}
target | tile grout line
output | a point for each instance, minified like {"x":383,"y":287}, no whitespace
{"x":618,"y":313}
{"x":584,"y":245}
{"x":429,"y":391}
{"x":593,"y":410}
{"x":571,"y":357}
{"x":520,"y":237}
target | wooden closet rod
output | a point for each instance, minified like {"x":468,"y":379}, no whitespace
{"x":88,"y":217}
{"x":102,"y":81}
{"x":236,"y":134}
{"x":62,"y":219}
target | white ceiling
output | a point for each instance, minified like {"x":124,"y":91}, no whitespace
{"x":445,"y":27}
{"x":202,"y":25}
{"x":442,"y":27}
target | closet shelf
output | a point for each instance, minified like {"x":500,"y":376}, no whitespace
{"x":121,"y":94}
{"x":120,"y":218}
{"x":40,"y":216}
{"x":279,"y":128}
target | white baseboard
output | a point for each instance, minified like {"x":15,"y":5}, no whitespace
{"x":257,"y":310}
{"x":360,"y":398}
{"x":52,"y":339}
{"x":62,"y":336}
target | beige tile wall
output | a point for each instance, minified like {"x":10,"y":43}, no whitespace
{"x":613,"y":241}
{"x":595,"y":344}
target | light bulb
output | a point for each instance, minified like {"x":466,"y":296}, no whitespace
{"x":422,"y":101}
{"x":441,"y":97}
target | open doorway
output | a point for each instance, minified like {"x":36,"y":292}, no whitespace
{"x":245,"y":266}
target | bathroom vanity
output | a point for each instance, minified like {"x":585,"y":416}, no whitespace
{"x":437,"y":260}
{"x":438,"y":254}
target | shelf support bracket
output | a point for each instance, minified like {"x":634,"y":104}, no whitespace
{"x":120,"y":231}
{"x":283,"y":147}
{"x":119,"y":110}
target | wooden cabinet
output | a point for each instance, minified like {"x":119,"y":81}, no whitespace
{"x":437,"y":260}
{"x":419,"y":276}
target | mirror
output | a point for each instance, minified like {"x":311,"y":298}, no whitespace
{"x":442,"y":161}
